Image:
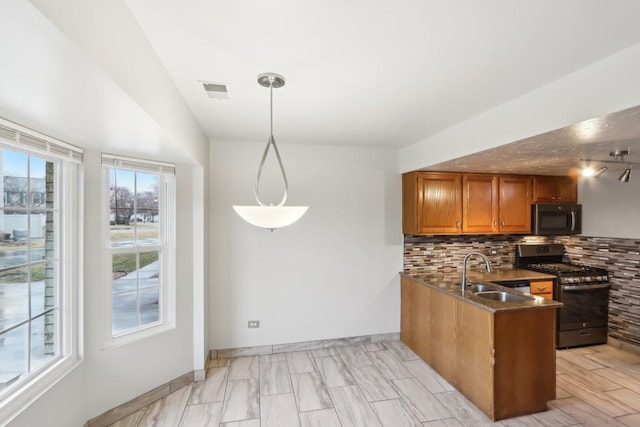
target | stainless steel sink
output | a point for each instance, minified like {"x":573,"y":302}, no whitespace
{"x":481,"y":287}
{"x":503,"y":296}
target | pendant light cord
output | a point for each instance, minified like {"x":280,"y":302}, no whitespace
{"x":271,"y":142}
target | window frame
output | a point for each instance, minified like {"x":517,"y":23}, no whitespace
{"x":69,"y":197}
{"x":166,"y":247}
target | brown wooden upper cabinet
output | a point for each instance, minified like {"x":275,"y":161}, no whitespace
{"x":432,"y":203}
{"x":480,"y":203}
{"x":515,"y":204}
{"x":454,"y":203}
{"x":555,"y":189}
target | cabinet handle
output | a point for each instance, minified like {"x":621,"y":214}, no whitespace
{"x":541,"y":289}
{"x":495,"y":222}
{"x":457,"y":224}
{"x":502,"y":223}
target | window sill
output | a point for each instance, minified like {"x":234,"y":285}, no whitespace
{"x":17,"y":401}
{"x":137,"y":335}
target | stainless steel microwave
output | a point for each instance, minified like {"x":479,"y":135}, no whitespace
{"x":556,"y":219}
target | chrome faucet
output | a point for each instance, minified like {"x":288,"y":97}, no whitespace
{"x":464,"y":267}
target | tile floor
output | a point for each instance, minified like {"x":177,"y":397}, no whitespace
{"x":385,"y":384}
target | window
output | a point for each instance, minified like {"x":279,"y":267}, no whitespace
{"x":39,"y":263}
{"x":140,"y":248}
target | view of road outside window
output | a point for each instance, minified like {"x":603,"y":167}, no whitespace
{"x":136,"y":249}
{"x":29,"y":283}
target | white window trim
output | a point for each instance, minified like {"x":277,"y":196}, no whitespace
{"x":70,"y":190}
{"x":167,"y":234}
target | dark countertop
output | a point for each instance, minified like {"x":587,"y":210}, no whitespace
{"x":449,"y":283}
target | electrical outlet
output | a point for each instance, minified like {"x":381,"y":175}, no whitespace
{"x":253,"y":324}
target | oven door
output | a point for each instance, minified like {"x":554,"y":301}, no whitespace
{"x":585,"y":306}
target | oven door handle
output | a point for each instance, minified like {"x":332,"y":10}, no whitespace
{"x":573,"y":220}
{"x":586,"y":287}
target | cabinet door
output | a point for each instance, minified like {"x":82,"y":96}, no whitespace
{"x":555,"y":189}
{"x":439,"y":203}
{"x":544,"y":189}
{"x":409,"y":203}
{"x":431,"y":203}
{"x":515,"y":204}
{"x":479,"y":203}
{"x":567,"y":189}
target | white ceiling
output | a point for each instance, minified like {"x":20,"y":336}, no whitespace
{"x":402,"y":75}
{"x":375,"y":73}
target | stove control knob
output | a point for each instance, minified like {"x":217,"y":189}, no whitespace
{"x":587,"y":279}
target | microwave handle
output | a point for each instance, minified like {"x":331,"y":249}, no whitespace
{"x":573,"y":220}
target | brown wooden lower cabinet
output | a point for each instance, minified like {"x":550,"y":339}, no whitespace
{"x":504,"y":362}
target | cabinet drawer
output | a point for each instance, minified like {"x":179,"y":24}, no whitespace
{"x":541,"y":287}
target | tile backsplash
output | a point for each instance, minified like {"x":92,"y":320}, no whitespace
{"x":445,"y":253}
{"x":621,"y":257}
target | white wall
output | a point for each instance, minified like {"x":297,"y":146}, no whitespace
{"x":118,"y":374}
{"x":87,"y":98}
{"x":332,"y":274}
{"x":62,"y":406}
{"x":610,"y":208}
{"x":131,"y":65}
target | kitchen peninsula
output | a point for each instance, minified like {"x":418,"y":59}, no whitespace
{"x":500,"y":355}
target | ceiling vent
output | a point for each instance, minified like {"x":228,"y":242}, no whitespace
{"x":215,"y":90}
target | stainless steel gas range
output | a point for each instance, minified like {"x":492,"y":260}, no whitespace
{"x":583,"y":290}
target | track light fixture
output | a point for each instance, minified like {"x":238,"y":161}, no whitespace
{"x":618,"y":158}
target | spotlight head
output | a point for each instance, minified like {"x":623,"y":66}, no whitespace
{"x":600,"y":171}
{"x":625,"y":175}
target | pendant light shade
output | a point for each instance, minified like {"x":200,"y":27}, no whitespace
{"x":270,"y":216}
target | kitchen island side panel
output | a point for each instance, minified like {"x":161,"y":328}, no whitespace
{"x":525,"y":361}
{"x":453,"y":337}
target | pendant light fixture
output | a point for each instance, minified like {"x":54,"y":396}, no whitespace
{"x":270,"y":216}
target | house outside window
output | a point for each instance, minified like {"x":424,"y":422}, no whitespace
{"x":39,"y":259}
{"x":140,"y":248}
